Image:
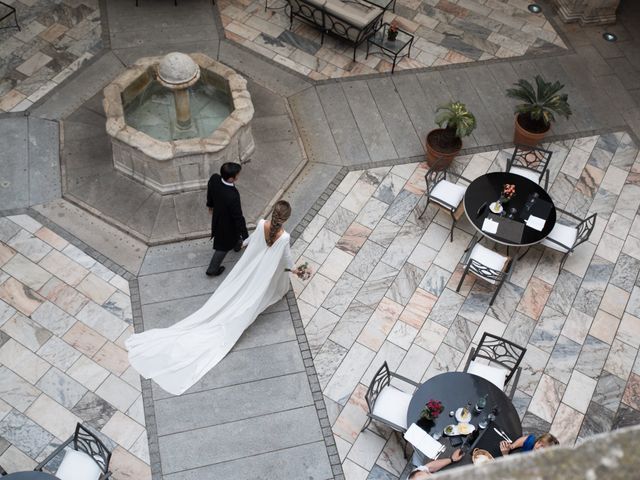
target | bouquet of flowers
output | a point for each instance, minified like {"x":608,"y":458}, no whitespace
{"x":392,"y":32}
{"x":302,"y":271}
{"x":508,"y":192}
{"x":432,"y":409}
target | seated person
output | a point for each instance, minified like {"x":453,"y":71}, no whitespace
{"x":527,"y":443}
{"x":424,"y":471}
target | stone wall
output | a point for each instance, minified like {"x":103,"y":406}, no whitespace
{"x":587,"y":12}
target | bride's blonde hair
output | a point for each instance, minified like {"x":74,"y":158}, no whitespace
{"x":280,"y":214}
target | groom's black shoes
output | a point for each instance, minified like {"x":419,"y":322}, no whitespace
{"x":215,"y":274}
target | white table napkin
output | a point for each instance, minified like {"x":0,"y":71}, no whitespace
{"x":423,"y":441}
{"x":536,"y":223}
{"x":489,"y":226}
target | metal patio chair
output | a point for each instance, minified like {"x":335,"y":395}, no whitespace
{"x":531,"y":163}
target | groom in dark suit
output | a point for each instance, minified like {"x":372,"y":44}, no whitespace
{"x":228,"y":227}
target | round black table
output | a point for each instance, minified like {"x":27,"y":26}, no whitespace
{"x":455,"y":390}
{"x":30,"y":476}
{"x":486,"y":189}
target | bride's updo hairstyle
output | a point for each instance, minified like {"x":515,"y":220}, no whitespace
{"x":280,"y":214}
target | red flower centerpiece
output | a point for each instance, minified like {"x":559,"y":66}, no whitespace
{"x":508,"y":192}
{"x":432,"y":409}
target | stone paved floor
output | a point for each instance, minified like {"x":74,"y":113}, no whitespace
{"x":384,"y":289}
{"x":446,"y":32}
{"x":57,"y":37}
{"x":63,"y":320}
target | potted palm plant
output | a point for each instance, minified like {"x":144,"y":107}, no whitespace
{"x":444,"y":143}
{"x":540,"y":105}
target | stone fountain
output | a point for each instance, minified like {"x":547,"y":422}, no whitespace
{"x":174,"y":120}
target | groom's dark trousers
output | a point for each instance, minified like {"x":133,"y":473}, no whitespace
{"x":228,"y":226}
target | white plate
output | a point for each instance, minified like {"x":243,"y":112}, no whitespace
{"x":496,"y":207}
{"x":459,"y":417}
{"x":454,"y":430}
{"x":469,"y":428}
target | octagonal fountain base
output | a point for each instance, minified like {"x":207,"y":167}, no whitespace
{"x":157,"y":157}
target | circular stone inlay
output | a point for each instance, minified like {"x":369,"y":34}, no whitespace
{"x":177,"y":69}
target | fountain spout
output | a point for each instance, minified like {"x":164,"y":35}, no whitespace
{"x":177,"y":72}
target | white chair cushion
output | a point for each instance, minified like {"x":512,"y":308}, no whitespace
{"x":526,"y":173}
{"x":495,"y":375}
{"x":488,"y":258}
{"x":392,"y":405}
{"x":564,"y":234}
{"x":78,"y":466}
{"x":450,"y":193}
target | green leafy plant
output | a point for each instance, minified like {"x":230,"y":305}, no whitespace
{"x":455,"y":116}
{"x":540,"y":103}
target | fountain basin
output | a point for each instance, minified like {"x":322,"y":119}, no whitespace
{"x":151,"y":152}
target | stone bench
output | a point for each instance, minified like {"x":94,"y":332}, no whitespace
{"x":351,"y":20}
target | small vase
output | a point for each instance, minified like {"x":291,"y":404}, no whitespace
{"x":391,"y":35}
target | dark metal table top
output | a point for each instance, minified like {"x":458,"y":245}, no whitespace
{"x":486,"y":189}
{"x":455,"y":390}
{"x":30,"y":476}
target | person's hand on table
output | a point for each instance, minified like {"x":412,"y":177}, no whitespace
{"x":457,"y":455}
{"x":505,"y":447}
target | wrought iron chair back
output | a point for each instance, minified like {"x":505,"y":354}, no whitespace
{"x":531,"y":158}
{"x":433,"y":177}
{"x":488,"y":273}
{"x":85,"y":441}
{"x":584,"y":230}
{"x":381,"y":379}
{"x":501,"y":351}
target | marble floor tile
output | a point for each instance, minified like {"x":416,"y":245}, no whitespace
{"x":335,"y":264}
{"x":577,"y":325}
{"x":119,"y":305}
{"x":122,"y":429}
{"x":435,"y":280}
{"x":384,"y":233}
{"x":348,"y":374}
{"x":446,"y":308}
{"x":53,"y":318}
{"x":489,"y":325}
{"x":84,"y":339}
{"x":401,"y":206}
{"x":339,"y":221}
{"x":402,"y":246}
{"x":101,"y":320}
{"x":317,"y":290}
{"x":533,"y":365}
{"x":113,"y":358}
{"x":377,"y":285}
{"x":93,"y":410}
{"x":566,"y":424}
{"x":31,"y":247}
{"x":389,"y":352}
{"x":631,"y":394}
{"x":342,"y":294}
{"x":52,"y":238}
{"x":372,"y":213}
{"x":460,"y":333}
{"x":16,"y":391}
{"x":621,"y":358}
{"x":328,"y":360}
{"x":380,"y":324}
{"x":563,"y":358}
{"x":23,"y":361}
{"x":61,"y":388}
{"x":319,"y":328}
{"x":547,"y":329}
{"x":629,"y":330}
{"x":519,"y":329}
{"x":431,"y":336}
{"x":534,"y":298}
{"x":579,"y":391}
{"x":609,"y":391}
{"x":353,"y":238}
{"x":604,"y":326}
{"x":358,"y":196}
{"x":64,"y":267}
{"x":402,"y":334}
{"x":27,"y":272}
{"x":391,"y":460}
{"x":315,"y":225}
{"x":53,"y":417}
{"x":125,"y":464}
{"x":365,"y":449}
{"x":26,"y":331}
{"x":117,"y":392}
{"x":351,"y":324}
{"x":19,"y":296}
{"x":319,"y":249}
{"x":422,"y":256}
{"x":592,"y":357}
{"x":23,"y":433}
{"x":626,"y":417}
{"x":391,"y":186}
{"x":419,"y":308}
{"x":64,"y":296}
{"x":614,"y":301}
{"x":446,"y":359}
{"x":506,"y":302}
{"x":406,"y":283}
{"x":597,"y":420}
{"x":96,"y":288}
{"x":546,"y":398}
{"x":366,"y":260}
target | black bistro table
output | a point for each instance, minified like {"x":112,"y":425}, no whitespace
{"x":398,"y":48}
{"x":486,"y":189}
{"x":30,"y":476}
{"x":455,"y":390}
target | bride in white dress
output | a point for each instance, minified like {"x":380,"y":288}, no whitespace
{"x":178,"y":356}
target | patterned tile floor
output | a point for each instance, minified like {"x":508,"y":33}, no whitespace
{"x":384,"y":289}
{"x":63,"y":320}
{"x":446,"y":32}
{"x":57,"y":37}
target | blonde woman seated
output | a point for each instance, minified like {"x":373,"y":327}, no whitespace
{"x":526,"y":443}
{"x":424,"y":471}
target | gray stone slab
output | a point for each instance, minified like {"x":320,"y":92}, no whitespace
{"x":433,"y":93}
{"x":187,"y":14}
{"x":191,"y":212}
{"x":369,"y":120}
{"x":342,"y":124}
{"x":165,"y":314}
{"x":276,"y":78}
{"x":247,"y":366}
{"x":44,"y":161}
{"x":266,"y":102}
{"x":313,"y":128}
{"x":304,"y":461}
{"x":176,"y":256}
{"x":78,"y":89}
{"x":230,"y":404}
{"x":14,"y":175}
{"x":310,"y":184}
{"x":166,"y":223}
{"x":272,"y":128}
{"x":144,"y":218}
{"x":267,"y":329}
{"x":230,"y":441}
{"x":129,"y":54}
{"x":158,"y":35}
{"x":394,"y":115}
{"x":160,"y":287}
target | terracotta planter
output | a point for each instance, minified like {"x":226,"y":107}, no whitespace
{"x":435,"y":153}
{"x":522,"y":136}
